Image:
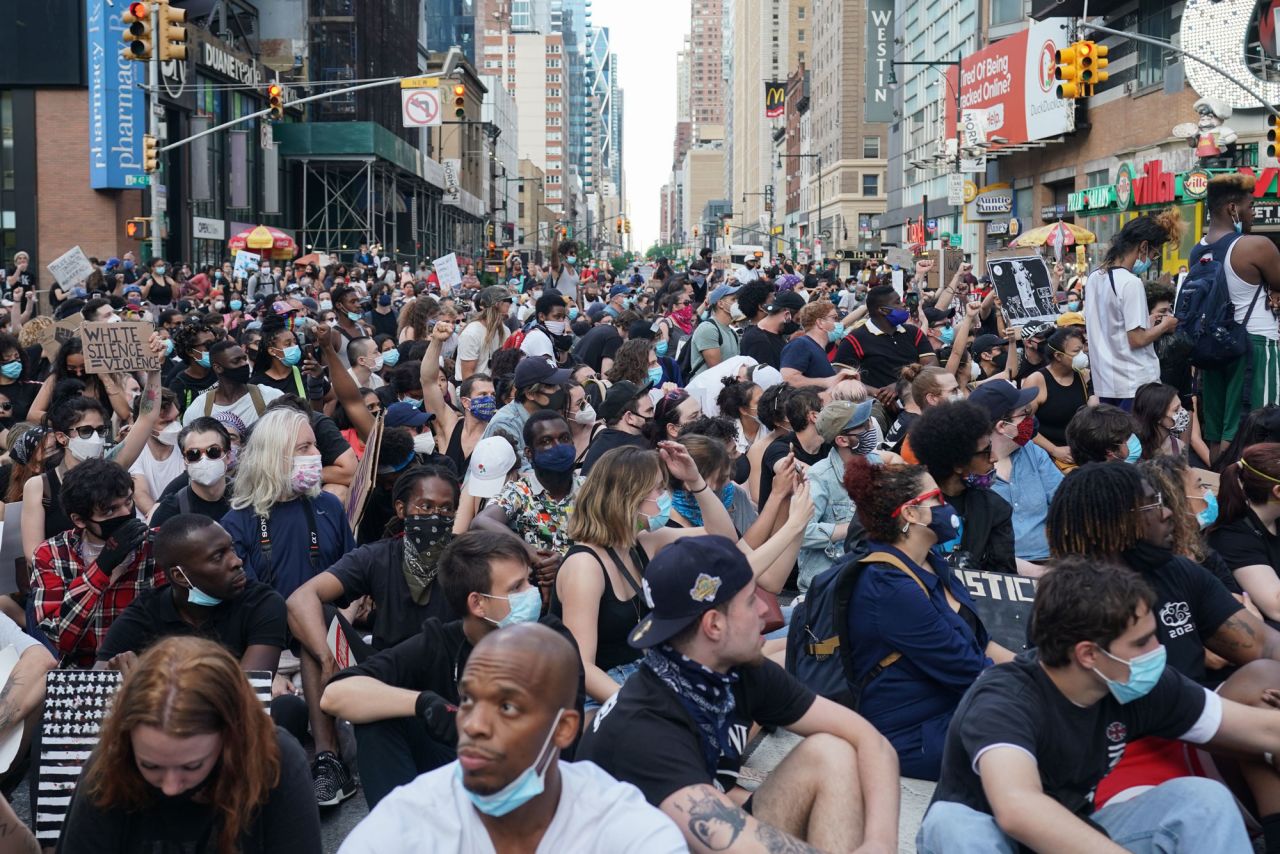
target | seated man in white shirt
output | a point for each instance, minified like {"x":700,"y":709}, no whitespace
{"x":233,"y":392}
{"x":508,"y":788}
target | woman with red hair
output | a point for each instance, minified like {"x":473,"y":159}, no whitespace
{"x":188,"y":760}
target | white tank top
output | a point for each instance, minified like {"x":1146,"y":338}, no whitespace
{"x":1262,"y":321}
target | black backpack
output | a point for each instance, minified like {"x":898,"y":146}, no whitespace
{"x":684,"y":359}
{"x":819,"y":653}
{"x":1207,"y":327}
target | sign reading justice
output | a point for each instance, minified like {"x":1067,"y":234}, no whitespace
{"x":115,"y":347}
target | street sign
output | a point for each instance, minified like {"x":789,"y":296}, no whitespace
{"x":137,"y":181}
{"x":955,"y":189}
{"x":266,"y":135}
{"x":955,"y":239}
{"x":420,"y":108}
{"x":971,"y":165}
{"x":420,"y":83}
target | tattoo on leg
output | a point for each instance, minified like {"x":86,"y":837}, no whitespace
{"x":777,"y":842}
{"x":714,"y":823}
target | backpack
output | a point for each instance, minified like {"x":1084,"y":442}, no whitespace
{"x":1207,"y":327}
{"x":819,"y":653}
{"x":514,"y":340}
{"x":684,"y":359}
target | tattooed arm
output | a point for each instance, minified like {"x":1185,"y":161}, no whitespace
{"x":140,"y":432}
{"x":24,"y":690}
{"x":710,"y":821}
{"x":15,"y":837}
{"x":1243,"y":638}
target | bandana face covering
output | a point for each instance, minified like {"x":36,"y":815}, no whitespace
{"x":425,"y":537}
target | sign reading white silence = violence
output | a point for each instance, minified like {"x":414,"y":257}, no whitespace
{"x":116,"y":347}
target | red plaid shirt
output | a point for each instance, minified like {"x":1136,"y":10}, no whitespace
{"x":76,"y":604}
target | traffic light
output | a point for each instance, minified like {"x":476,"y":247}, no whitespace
{"x":1100,"y":62}
{"x":172,"y":38}
{"x":137,"y":35}
{"x":275,"y":101}
{"x":460,"y":101}
{"x":619,"y":226}
{"x":150,"y":154}
{"x":626,"y":225}
{"x":726,"y":229}
{"x":138,"y":228}
{"x":1273,"y":123}
{"x":1068,"y":70}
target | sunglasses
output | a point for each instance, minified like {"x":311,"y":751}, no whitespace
{"x":193,"y":455}
{"x":84,"y":432}
{"x":6,"y":407}
{"x":919,"y":499}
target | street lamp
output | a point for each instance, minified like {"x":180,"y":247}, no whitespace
{"x":955,"y":90}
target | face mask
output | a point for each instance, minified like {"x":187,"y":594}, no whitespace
{"x":868,"y":441}
{"x":326,"y":305}
{"x":305,"y":475}
{"x":836,"y":333}
{"x":377,"y":364}
{"x":556,"y":327}
{"x":169,"y":435}
{"x":1144,"y":673}
{"x":1209,"y":514}
{"x":168,"y":348}
{"x":87,"y":449}
{"x":196,"y":596}
{"x":484,"y":406}
{"x":239,"y":375}
{"x":390,"y":358}
{"x":207,"y":472}
{"x":526,"y":607}
{"x":660,"y":348}
{"x":1181,"y":421}
{"x":519,"y":791}
{"x":1080,"y":361}
{"x":354,"y":316}
{"x":980,"y":481}
{"x":384,"y":299}
{"x":573,"y":313}
{"x":203,"y":359}
{"x":291,"y":355}
{"x":558,"y":459}
{"x":898,"y":316}
{"x":1133,"y":449}
{"x":412,"y":401}
{"x":659,"y":521}
{"x":1026,"y":430}
{"x":736,"y":313}
{"x":944,"y":523}
{"x":11,"y":370}
{"x":160,"y":271}
{"x":572,"y":259}
{"x":1073,"y":305}
{"x":424,"y":442}
{"x":1141,"y":266}
{"x":556,"y":400}
{"x":113,"y":318}
{"x":788,"y":329}
{"x":655,"y":375}
{"x":236,"y":305}
{"x":427,"y":531}
{"x":586,"y":415}
{"x":975,"y":371}
{"x":947,"y":335}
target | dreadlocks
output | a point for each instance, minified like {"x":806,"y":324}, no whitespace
{"x":1091,"y":513}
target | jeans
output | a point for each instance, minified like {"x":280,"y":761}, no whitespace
{"x":393,"y":752}
{"x":619,"y":674}
{"x":786,"y":624}
{"x":1125,"y":403}
{"x":1189,"y":815}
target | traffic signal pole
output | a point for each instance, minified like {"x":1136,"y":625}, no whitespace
{"x":153,"y":123}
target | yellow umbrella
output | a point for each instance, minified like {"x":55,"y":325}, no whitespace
{"x":1054,"y":232}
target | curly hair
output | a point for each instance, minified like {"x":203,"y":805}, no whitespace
{"x":878,"y":491}
{"x":809,"y":316}
{"x":1082,"y":600}
{"x":1153,"y":229}
{"x":1092,"y":512}
{"x":631,"y":362}
{"x":771,"y":410}
{"x":945,"y":437}
{"x":187,"y":686}
{"x":735,"y":396}
{"x":1166,"y":474}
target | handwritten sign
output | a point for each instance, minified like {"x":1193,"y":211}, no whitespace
{"x":71,"y":267}
{"x":115,"y":347}
{"x":339,"y":645}
{"x":447,"y":271}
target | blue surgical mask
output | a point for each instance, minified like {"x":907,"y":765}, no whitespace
{"x":659,"y":521}
{"x":660,"y":348}
{"x":526,"y":606}
{"x":898,"y":316}
{"x":325,"y":304}
{"x":196,"y":596}
{"x":655,"y":375}
{"x":354,"y":315}
{"x":1209,"y":514}
{"x":1134,"y":449}
{"x":571,"y":260}
{"x":203,"y":359}
{"x":291,"y":355}
{"x":573,"y":313}
{"x":947,"y":335}
{"x":1073,"y":305}
{"x":836,"y":333}
{"x":1141,"y":266}
{"x":412,"y":401}
{"x":11,"y":370}
{"x":236,"y":304}
{"x":160,"y":271}
{"x":519,"y":791}
{"x":559,"y":459}
{"x":1144,"y":673}
{"x":390,"y":358}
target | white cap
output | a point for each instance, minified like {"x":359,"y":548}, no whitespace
{"x":491,"y":460}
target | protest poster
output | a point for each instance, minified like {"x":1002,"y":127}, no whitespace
{"x":365,"y":477}
{"x":1022,"y":283}
{"x":115,"y":347}
{"x":446,"y":269}
{"x":71,"y":267}
{"x":12,"y":557}
{"x":339,"y":646}
{"x":1003,"y":602}
{"x":897,"y":255}
{"x":246,"y":264}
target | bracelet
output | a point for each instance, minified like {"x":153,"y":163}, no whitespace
{"x":696,"y":491}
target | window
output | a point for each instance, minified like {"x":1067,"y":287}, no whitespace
{"x":800,"y":35}
{"x":870,"y":185}
{"x":800,"y":12}
{"x":1005,"y":12}
{"x":871,"y":147}
{"x":1154,"y":19}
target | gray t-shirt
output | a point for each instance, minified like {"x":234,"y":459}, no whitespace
{"x":712,"y":336}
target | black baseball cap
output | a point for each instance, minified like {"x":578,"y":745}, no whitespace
{"x":937,"y":315}
{"x":983,"y":343}
{"x":784,"y":301}
{"x":617,"y":398}
{"x":684,"y":581}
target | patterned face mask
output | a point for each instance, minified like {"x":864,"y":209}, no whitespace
{"x":425,"y":538}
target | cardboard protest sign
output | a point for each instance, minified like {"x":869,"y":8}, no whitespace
{"x":365,"y":477}
{"x":1022,"y":283}
{"x":12,"y":556}
{"x":115,"y":347}
{"x":903,"y":258}
{"x":447,"y":271}
{"x":71,"y":267}
{"x":339,"y":646}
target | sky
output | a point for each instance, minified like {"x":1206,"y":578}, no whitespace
{"x":646,"y":36}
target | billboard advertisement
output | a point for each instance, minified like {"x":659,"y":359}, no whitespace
{"x":1012,"y":80}
{"x":117,"y":103}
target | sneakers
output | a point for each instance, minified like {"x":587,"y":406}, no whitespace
{"x":332,"y":780}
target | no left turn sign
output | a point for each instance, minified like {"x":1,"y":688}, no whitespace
{"x":420,"y":108}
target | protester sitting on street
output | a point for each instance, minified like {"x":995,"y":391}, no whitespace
{"x":673,"y":410}
{"x":885,"y":344}
{"x":1161,"y":423}
{"x":232,"y":392}
{"x":918,"y":642}
{"x":21,"y":701}
{"x":702,"y":686}
{"x":804,"y":359}
{"x":953,"y":441}
{"x":1100,"y":433}
{"x":158,"y":463}
{"x":627,"y":411}
{"x":402,"y":700}
{"x":208,"y":595}
{"x":1245,"y":532}
{"x":187,"y":761}
{"x":598,"y":589}
{"x":771,"y":413}
{"x":69,"y":365}
{"x":84,"y":577}
{"x":205,"y":447}
{"x":1034,"y":737}
{"x":459,"y":433}
{"x":926,"y":385}
{"x":1062,"y":389}
{"x":539,"y":385}
{"x":516,"y":714}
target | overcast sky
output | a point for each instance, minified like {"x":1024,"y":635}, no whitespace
{"x":646,"y":36}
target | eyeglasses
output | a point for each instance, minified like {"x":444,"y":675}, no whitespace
{"x":85,"y":431}
{"x":422,"y":508}
{"x":6,"y":407}
{"x":983,"y":452}
{"x":193,"y":455}
{"x":919,"y":499}
{"x":1158,"y":505}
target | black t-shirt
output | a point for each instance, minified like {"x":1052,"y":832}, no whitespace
{"x":778,"y":449}
{"x":764,"y":347}
{"x":1190,"y":606}
{"x":1017,"y":705}
{"x":644,"y":736}
{"x":256,"y":616}
{"x":383,"y":324}
{"x":329,"y":439}
{"x":898,"y":432}
{"x":883,"y":356}
{"x":601,"y":342}
{"x":21,"y":394}
{"x":187,"y":388}
{"x":287,"y":823}
{"x":1246,"y":542}
{"x":606,"y":440}
{"x":376,"y":570}
{"x":170,"y":505}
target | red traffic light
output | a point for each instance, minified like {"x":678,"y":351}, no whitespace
{"x":138,"y":10}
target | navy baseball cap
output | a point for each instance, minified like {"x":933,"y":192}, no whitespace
{"x":618,"y":289}
{"x":1000,"y":397}
{"x":684,"y":581}
{"x":532,"y":370}
{"x":401,"y":414}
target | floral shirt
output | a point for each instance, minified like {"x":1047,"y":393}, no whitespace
{"x":535,"y":516}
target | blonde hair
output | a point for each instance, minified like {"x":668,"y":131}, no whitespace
{"x":851,"y":390}
{"x":609,"y":500}
{"x":263,"y":475}
{"x":809,"y":316}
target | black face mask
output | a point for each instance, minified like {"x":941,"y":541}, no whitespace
{"x":108,"y":527}
{"x":239,"y":376}
{"x":1147,"y":556}
{"x":428,"y":532}
{"x":789,"y":328}
{"x":556,"y":400}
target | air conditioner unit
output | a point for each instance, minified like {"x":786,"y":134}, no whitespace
{"x":1130,"y":87}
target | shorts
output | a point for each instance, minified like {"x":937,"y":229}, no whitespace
{"x":618,"y":674}
{"x":1222,"y":391}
